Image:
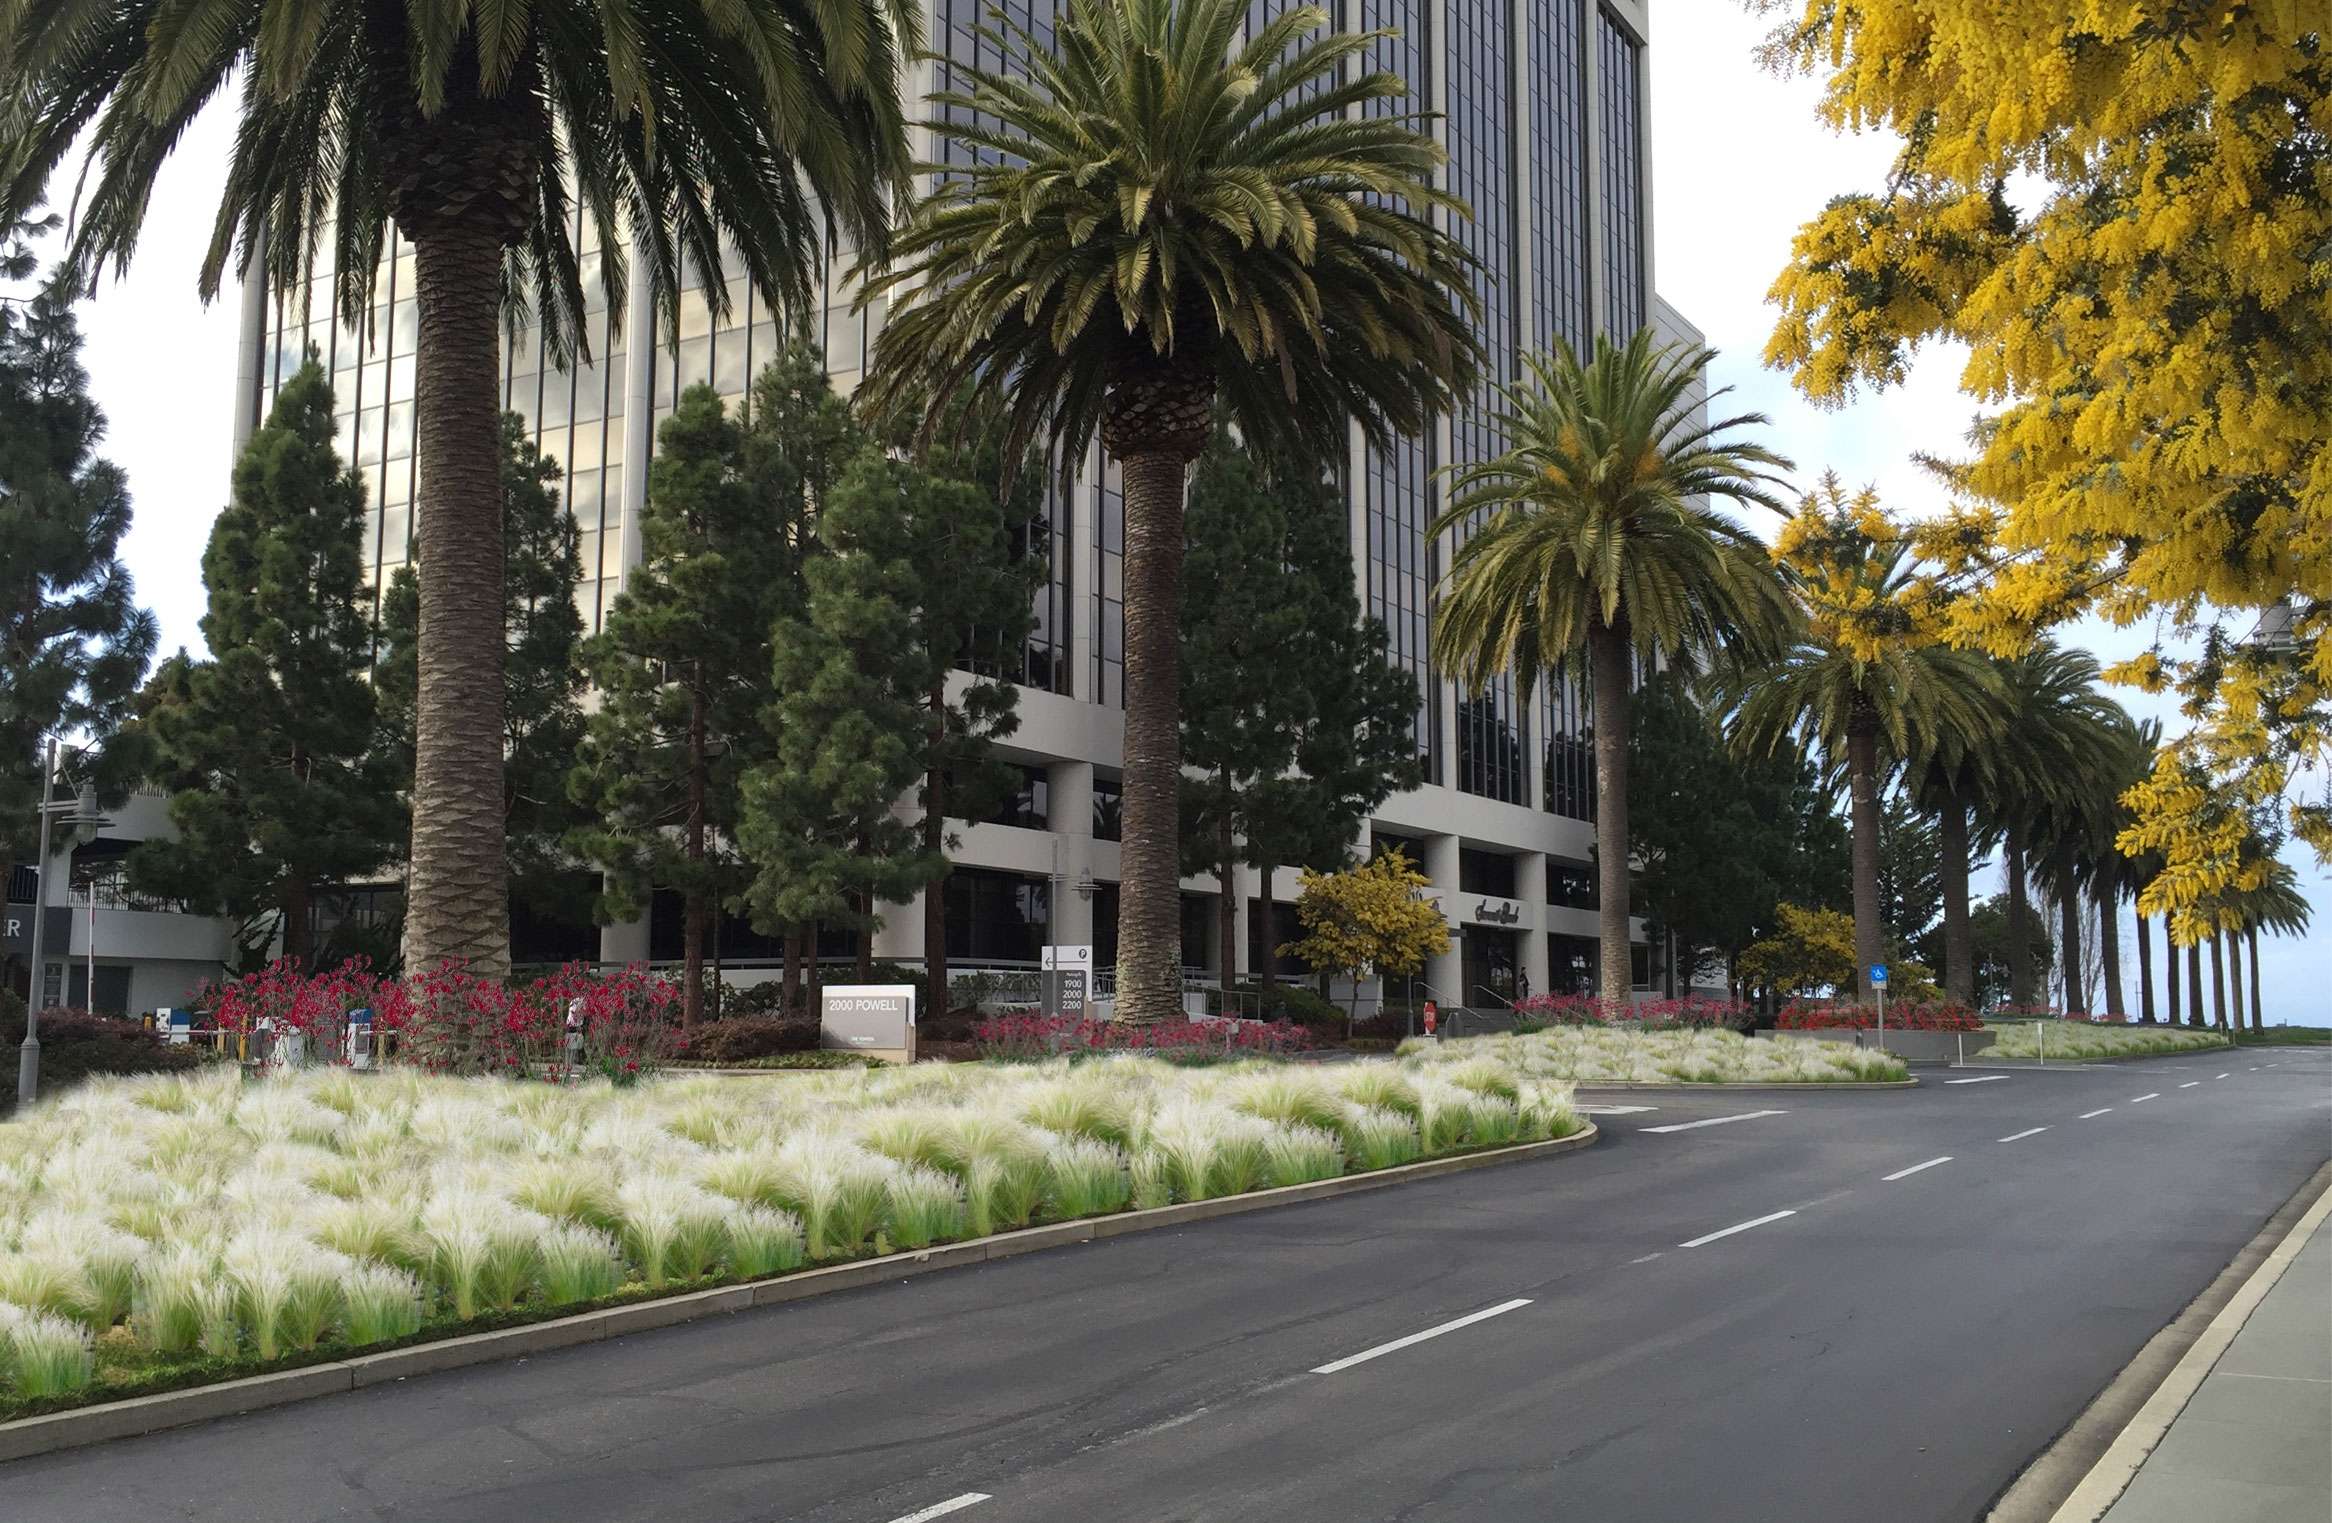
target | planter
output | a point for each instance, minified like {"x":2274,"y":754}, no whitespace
{"x":1910,"y":1046}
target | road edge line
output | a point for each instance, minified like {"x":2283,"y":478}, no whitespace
{"x":135,"y":1416}
{"x":2048,"y":1486}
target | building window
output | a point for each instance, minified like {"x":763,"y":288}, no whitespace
{"x":1109,"y":588}
{"x":995,"y":917}
{"x":1485,"y":872}
{"x":1569,"y":779}
{"x":1623,"y":179}
{"x":1640,"y":965}
{"x":1571,"y":964}
{"x":1109,"y":802}
{"x":1571,"y":884}
{"x":1492,"y":742}
{"x":1027,"y":806}
{"x":1558,"y":138}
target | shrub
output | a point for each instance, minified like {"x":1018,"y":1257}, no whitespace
{"x":737,"y":1038}
{"x":1030,"y":1036}
{"x":1281,"y":1002}
{"x":1692,"y":1012}
{"x":76,"y":1044}
{"x":1905,"y":1015}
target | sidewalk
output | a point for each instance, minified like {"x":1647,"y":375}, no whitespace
{"x":2254,"y":1444}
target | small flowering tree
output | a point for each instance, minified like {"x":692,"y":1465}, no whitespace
{"x":1369,"y":917}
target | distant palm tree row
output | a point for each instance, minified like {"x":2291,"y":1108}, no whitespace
{"x":1147,"y":223}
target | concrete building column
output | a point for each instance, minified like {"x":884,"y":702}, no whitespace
{"x":1530,"y":882}
{"x":1069,"y":814}
{"x":1446,"y":974}
{"x":624,"y":942}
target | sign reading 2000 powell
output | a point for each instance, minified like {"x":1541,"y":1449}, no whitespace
{"x":876,"y":1019}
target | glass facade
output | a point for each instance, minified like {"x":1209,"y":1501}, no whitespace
{"x":1558,"y":147}
{"x":1624,"y":273}
{"x":1568,"y":765}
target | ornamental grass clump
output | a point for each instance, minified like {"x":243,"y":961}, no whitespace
{"x":578,"y":1264}
{"x":1380,"y":1139}
{"x":764,"y":1242}
{"x":378,"y":1304}
{"x":1299,"y":1155}
{"x":1086,"y":1177}
{"x":925,"y":1207}
{"x":670,"y":1229}
{"x":42,"y":1355}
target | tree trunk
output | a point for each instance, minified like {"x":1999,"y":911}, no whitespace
{"x":693,"y":907}
{"x":2146,"y":975}
{"x":2251,"y":934}
{"x":1607,"y":651}
{"x":2109,"y":940}
{"x":1149,"y":926}
{"x":789,"y":986}
{"x":2194,"y":985}
{"x":935,"y":892}
{"x":1227,"y":877}
{"x":2218,"y":982}
{"x":1270,"y":975}
{"x":2019,"y":921}
{"x":457,"y":882}
{"x":2235,"y":978}
{"x":1959,"y":936}
{"x":299,"y":940}
{"x":2069,"y":931}
{"x":1862,"y":778}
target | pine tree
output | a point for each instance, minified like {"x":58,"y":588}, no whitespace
{"x":73,"y":642}
{"x":278,"y":789}
{"x":683,"y":673}
{"x":542,"y":672}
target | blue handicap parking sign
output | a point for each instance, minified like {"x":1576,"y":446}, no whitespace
{"x":1878,"y":975}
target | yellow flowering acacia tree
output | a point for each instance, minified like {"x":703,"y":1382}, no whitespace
{"x":1371,"y":918}
{"x":2124,"y":210}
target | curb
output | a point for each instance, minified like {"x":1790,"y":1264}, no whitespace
{"x":2084,"y":1471}
{"x":132,"y":1416}
{"x":1728,"y":1089}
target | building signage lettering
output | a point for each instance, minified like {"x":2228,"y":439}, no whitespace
{"x":875,"y":1018}
{"x":1504,"y":912}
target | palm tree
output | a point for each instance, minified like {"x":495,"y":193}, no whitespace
{"x":2276,"y":906}
{"x":1590,"y":540}
{"x":1155,"y":219}
{"x":1865,"y":687}
{"x":764,"y":126}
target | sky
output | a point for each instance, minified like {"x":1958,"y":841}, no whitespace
{"x":1739,"y":159}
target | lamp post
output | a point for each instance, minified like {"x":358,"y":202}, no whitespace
{"x":82,"y":818}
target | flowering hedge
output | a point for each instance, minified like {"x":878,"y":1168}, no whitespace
{"x":1902,"y":1015}
{"x":450,"y":1020}
{"x":1031,"y":1036}
{"x":1694,"y":1012}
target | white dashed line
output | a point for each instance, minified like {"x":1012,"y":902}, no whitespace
{"x":1915,"y":1168}
{"x":2030,"y":1131}
{"x":1397,"y":1344}
{"x":2189,"y":1084}
{"x":1646,"y":1259}
{"x":1613,"y":1110}
{"x":1736,"y":1227}
{"x":2142,"y":1099}
{"x":1987,"y":1079}
{"x":1686,"y":1126}
{"x":2087,"y":1115}
{"x":942,"y":1509}
{"x":2226,"y":1076}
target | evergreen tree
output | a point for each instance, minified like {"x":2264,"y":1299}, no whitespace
{"x":1242,"y":610}
{"x":542,"y":673}
{"x":277,"y":786}
{"x":1910,"y":869}
{"x":682,"y":668}
{"x":73,"y":642}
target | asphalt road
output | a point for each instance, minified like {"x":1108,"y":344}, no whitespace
{"x":1895,"y":1348}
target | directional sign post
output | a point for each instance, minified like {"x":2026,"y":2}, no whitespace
{"x":1878,"y":982}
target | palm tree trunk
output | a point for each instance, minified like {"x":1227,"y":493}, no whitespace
{"x":2251,"y":934}
{"x":2019,"y":921}
{"x":457,"y":886}
{"x":1149,"y":927}
{"x":2235,"y":978}
{"x":2069,"y":930}
{"x":2218,"y":982}
{"x":693,"y":909}
{"x":1227,"y":901}
{"x":1959,"y":935}
{"x":2146,"y":975}
{"x":1607,"y":651}
{"x":1862,"y":780}
{"x":2194,"y":984}
{"x":2109,"y":940}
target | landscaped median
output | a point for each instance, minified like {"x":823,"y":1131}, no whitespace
{"x":166,"y":1231}
{"x":1594,"y":1056}
{"x":2075,"y":1040}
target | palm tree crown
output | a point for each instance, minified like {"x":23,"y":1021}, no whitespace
{"x":1152,"y":217}
{"x":1590,"y":538}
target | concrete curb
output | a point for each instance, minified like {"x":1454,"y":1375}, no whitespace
{"x":28,"y":1436}
{"x":1728,"y":1089}
{"x":2086,"y":1469}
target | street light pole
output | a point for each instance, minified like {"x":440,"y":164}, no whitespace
{"x":28,"y":1056}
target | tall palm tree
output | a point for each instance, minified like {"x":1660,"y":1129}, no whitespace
{"x":1155,"y":219}
{"x":1590,"y":540}
{"x":2075,"y":824}
{"x":766,"y":126}
{"x":1865,"y":687}
{"x":2276,"y":906}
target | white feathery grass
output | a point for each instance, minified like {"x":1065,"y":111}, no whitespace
{"x":166,"y":1311}
{"x":925,"y":1207}
{"x":378,"y":1303}
{"x":287,"y":1288}
{"x":1088,"y":1177}
{"x":42,"y":1355}
{"x":671,"y":1229}
{"x":1380,"y":1139}
{"x":578,"y":1264}
{"x":1299,"y":1155}
{"x":764,"y":1242}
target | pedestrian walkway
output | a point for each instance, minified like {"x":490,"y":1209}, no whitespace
{"x":2254,"y":1444}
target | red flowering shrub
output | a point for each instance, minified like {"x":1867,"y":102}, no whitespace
{"x":280,"y":998}
{"x":1693,"y":1012}
{"x":630,"y":1020}
{"x":1902,"y":1015}
{"x":1032,"y":1036}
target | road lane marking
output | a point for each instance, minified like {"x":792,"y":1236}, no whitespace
{"x":1736,"y":1227}
{"x":1686,"y":1126}
{"x":1646,"y":1259}
{"x":1398,"y":1344}
{"x":942,"y":1509}
{"x":2189,"y":1084}
{"x":2087,"y":1115}
{"x":2142,"y":1099}
{"x":1915,"y":1168}
{"x":2030,"y":1131}
{"x":1987,"y":1079}
{"x":1612,"y":1110}
{"x":2226,"y":1076}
